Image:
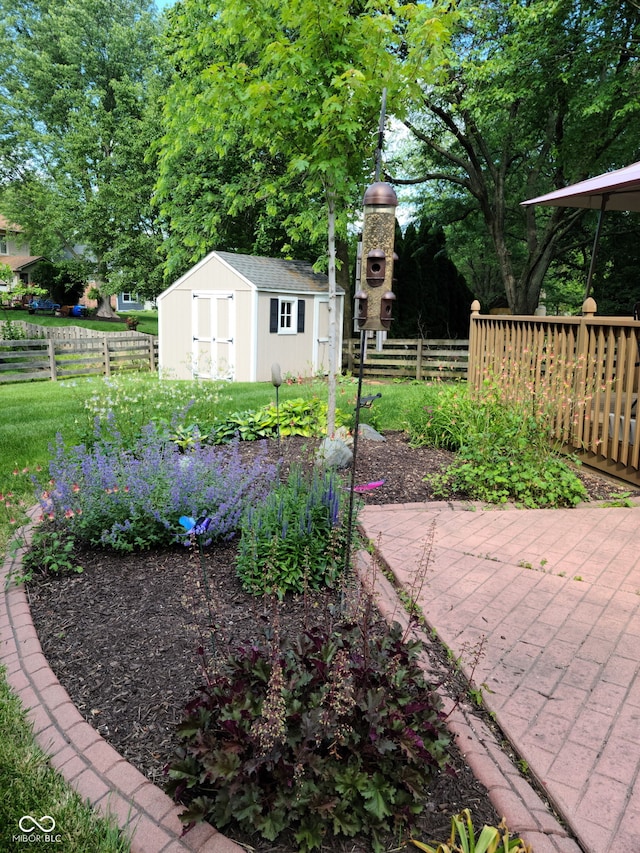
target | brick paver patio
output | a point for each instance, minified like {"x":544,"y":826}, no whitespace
{"x":551,"y":599}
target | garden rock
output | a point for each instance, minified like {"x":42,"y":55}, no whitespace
{"x":371,"y":434}
{"x":364,"y":431}
{"x":334,"y":453}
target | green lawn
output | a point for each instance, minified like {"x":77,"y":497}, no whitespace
{"x":148,"y":321}
{"x":31,"y":787}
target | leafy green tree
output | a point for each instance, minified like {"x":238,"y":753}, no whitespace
{"x":64,"y":281}
{"x":616,"y":282}
{"x":433,"y":299}
{"x":534,"y":96}
{"x":289,"y":91}
{"x":77,"y":128}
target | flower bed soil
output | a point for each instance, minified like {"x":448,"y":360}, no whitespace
{"x":122,"y":637}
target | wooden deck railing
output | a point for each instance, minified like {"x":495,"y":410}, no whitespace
{"x":583,"y":370}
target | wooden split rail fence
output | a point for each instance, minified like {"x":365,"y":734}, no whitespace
{"x":60,"y":358}
{"x":409,"y":359}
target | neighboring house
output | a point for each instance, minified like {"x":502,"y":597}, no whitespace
{"x":234,"y":316}
{"x":130,"y":302}
{"x":15,"y":253}
{"x":120,"y":302}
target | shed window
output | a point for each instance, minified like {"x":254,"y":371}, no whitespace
{"x":286,"y":316}
{"x":285,"y":323}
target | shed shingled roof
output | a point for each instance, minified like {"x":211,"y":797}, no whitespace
{"x":277,"y":274}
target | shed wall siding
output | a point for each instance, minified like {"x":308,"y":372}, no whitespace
{"x":291,"y":352}
{"x":214,"y":275}
{"x":244,"y":348}
{"x":174,"y":328}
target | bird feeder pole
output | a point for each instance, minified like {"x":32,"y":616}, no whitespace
{"x":374,"y":296}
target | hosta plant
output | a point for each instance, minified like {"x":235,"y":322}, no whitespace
{"x":292,"y":417}
{"x":336,"y":733}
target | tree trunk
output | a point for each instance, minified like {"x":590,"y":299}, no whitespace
{"x":105,"y":309}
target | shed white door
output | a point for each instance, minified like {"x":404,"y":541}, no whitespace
{"x":213,"y":323}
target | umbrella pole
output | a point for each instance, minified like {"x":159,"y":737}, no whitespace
{"x":596,"y":243}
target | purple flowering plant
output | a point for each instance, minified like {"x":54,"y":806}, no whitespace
{"x":294,"y":539}
{"x":130,"y":496}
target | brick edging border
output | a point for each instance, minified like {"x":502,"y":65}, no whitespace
{"x":76,"y":750}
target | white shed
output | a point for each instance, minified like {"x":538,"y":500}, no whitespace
{"x":232,"y":316}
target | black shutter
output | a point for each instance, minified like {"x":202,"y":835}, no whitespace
{"x":273,"y":315}
{"x":301,"y":315}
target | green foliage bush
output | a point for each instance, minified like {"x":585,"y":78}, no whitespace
{"x":295,"y":538}
{"x":51,"y":552}
{"x":11,"y":331}
{"x":504,"y":451}
{"x":513,"y":473}
{"x":126,"y":403}
{"x":442,"y":417}
{"x":337,"y":733}
{"x":295,"y":417}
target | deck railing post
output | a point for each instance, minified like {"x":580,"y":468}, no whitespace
{"x":589,"y":308}
{"x":473,"y":363}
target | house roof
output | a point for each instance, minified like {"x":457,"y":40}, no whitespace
{"x":277,"y":274}
{"x":5,"y":225}
{"x":20,"y":262}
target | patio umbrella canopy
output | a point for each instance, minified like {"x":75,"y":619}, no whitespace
{"x":617,"y":190}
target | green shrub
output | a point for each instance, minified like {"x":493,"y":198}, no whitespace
{"x":336,"y":734}
{"x":505,"y":475}
{"x":504,"y":452}
{"x":51,"y":552}
{"x":295,"y":538}
{"x":442,"y":416}
{"x":126,"y":403}
{"x":295,"y":417}
{"x":11,"y":331}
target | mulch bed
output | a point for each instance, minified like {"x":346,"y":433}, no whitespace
{"x":122,"y":637}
